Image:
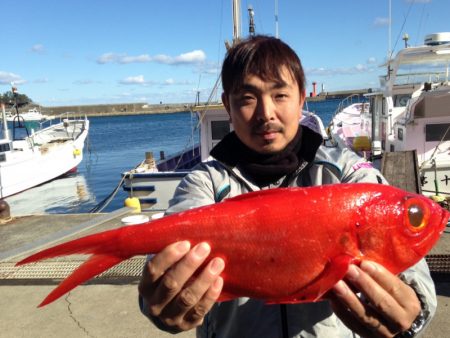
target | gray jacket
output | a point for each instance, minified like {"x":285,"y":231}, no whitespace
{"x":212,"y":181}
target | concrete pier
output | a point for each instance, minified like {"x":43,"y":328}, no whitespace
{"x":107,"y":306}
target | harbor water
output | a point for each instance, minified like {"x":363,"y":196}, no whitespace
{"x":116,"y":144}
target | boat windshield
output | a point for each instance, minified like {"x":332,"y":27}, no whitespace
{"x":414,"y":73}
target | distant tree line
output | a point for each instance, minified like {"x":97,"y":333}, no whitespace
{"x":9,"y":99}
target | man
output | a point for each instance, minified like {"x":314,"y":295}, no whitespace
{"x":264,"y":91}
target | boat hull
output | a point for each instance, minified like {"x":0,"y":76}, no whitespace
{"x":31,"y":163}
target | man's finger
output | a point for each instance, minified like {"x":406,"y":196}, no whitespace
{"x":393,"y":285}
{"x":359,"y":316}
{"x":191,"y":296}
{"x":172,"y":282}
{"x":159,"y":264}
{"x":199,"y":311}
{"x":170,"y":255}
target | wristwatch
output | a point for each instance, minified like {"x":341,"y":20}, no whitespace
{"x":415,"y":328}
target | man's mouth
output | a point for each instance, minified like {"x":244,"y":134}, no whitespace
{"x":269,"y":134}
{"x":268,"y":131}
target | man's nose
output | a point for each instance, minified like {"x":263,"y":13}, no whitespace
{"x":265,"y":109}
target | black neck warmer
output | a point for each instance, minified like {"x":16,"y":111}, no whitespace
{"x":268,"y":168}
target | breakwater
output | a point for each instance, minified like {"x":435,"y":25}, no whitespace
{"x":338,"y":95}
{"x":115,"y":109}
{"x":145,"y":109}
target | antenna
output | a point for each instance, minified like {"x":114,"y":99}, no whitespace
{"x":389,"y":31}
{"x":276,"y":19}
{"x":251,"y":24}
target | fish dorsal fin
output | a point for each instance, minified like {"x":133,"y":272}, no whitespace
{"x":260,"y":193}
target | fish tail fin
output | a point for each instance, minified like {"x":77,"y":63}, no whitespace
{"x":100,"y":243}
{"x":95,"y":265}
{"x":105,"y":251}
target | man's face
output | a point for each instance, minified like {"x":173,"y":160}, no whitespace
{"x":265,"y":115}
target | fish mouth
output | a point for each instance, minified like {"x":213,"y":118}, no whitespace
{"x":445,"y":215}
{"x":430,"y":240}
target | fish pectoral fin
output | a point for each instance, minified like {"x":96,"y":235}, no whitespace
{"x":334,"y":271}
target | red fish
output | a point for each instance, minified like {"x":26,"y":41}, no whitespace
{"x":283,"y":245}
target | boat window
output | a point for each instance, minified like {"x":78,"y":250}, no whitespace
{"x":219,"y":129}
{"x":4,"y":147}
{"x":401,"y":100}
{"x":400,"y":134}
{"x":435,"y":132}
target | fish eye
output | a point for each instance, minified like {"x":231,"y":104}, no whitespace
{"x":416,"y":214}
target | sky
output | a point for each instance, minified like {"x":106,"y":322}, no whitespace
{"x":85,"y":52}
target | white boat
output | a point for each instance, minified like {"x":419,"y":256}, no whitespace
{"x":41,"y":155}
{"x":32,"y":115}
{"x":411,"y":111}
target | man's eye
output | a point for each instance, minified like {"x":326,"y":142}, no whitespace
{"x":247,"y":98}
{"x":281,"y":96}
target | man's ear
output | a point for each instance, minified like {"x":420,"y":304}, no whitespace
{"x":302,"y":98}
{"x":226,"y":104}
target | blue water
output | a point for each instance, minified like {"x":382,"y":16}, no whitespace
{"x":118,"y":143}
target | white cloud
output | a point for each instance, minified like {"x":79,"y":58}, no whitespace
{"x":381,"y":21}
{"x":135,"y":59}
{"x":139,"y":79}
{"x":372,"y":60}
{"x":194,"y":57}
{"x":108,"y":58}
{"x":173,"y":82}
{"x":38,"y":48}
{"x":7,"y":78}
{"x":321,"y":71}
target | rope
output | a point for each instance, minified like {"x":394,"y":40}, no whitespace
{"x":105,"y":202}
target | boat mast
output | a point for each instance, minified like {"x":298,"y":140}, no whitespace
{"x":236,"y":20}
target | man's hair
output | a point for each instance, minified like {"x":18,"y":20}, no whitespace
{"x":262,"y":56}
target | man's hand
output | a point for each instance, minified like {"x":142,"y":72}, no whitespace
{"x":388,"y":305}
{"x":176,"y":298}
